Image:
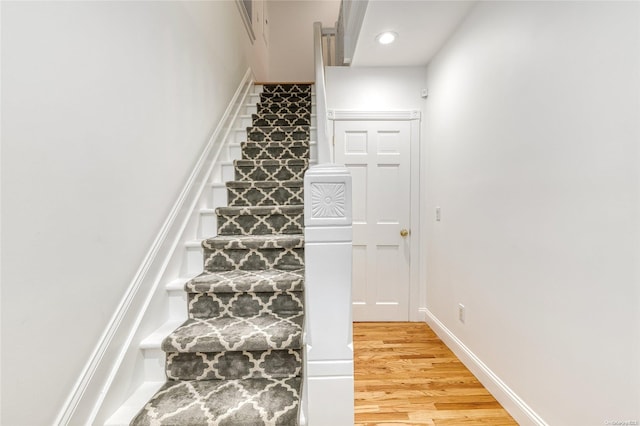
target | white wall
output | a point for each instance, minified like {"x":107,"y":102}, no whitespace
{"x":105,"y":108}
{"x":533,"y":130}
{"x":291,"y":36}
{"x":375,"y":88}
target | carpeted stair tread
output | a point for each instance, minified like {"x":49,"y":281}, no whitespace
{"x":275,"y":150}
{"x":259,"y":210}
{"x":230,"y":365}
{"x":259,"y":333}
{"x":285,"y":97}
{"x":286,"y":162}
{"x":290,"y":92}
{"x":277,"y":108}
{"x":224,"y":403}
{"x":252,"y":242}
{"x":244,"y":305}
{"x":286,"y":88}
{"x":252,"y":253}
{"x":246,"y":281}
{"x":274,"y":144}
{"x":260,"y":220}
{"x":268,"y":119}
{"x":265,"y":184}
{"x":265,"y":193}
{"x":278,"y":133}
{"x":280,"y":104}
{"x":258,"y":170}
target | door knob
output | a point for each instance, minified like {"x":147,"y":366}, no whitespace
{"x":404,"y":233}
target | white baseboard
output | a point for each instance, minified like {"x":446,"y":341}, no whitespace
{"x":518,"y":409}
{"x":119,"y":338}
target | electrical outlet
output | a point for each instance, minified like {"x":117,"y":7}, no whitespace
{"x":438,"y":214}
{"x":461,"y":313}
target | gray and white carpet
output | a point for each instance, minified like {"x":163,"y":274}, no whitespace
{"x":237,"y":360}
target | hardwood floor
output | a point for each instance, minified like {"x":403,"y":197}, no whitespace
{"x":404,"y":374}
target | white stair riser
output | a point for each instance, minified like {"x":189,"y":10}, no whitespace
{"x":178,"y":304}
{"x":238,"y":135}
{"x":193,"y":260}
{"x":227,"y":172}
{"x":245,"y":121}
{"x":154,"y":365}
{"x":313,"y":152}
{"x":207,"y":228}
{"x":235,"y":153}
{"x":218,"y":197}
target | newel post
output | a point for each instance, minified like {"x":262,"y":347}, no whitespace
{"x":328,"y":257}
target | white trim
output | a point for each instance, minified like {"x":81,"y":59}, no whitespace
{"x":324,"y":148}
{"x":86,"y":398}
{"x":331,"y":368}
{"x":246,"y":20}
{"x":352,"y":14}
{"x":417,"y":233}
{"x":520,"y":411}
{"x":333,"y":114}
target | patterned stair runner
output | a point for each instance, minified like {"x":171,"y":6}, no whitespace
{"x":237,"y":360}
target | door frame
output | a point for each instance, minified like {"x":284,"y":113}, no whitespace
{"x":416,"y":272}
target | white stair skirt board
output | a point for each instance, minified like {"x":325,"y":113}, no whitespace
{"x":227,"y":171}
{"x":131,"y":406}
{"x":511,"y":402}
{"x":235,"y":150}
{"x":113,"y":377}
{"x":207,"y":225}
{"x":193,"y":258}
{"x":218,"y":191}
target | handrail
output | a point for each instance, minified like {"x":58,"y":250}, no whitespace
{"x":349,"y":25}
{"x":325,"y":148}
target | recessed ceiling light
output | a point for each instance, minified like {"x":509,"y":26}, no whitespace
{"x":387,"y":37}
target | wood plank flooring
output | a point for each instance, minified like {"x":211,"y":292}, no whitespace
{"x":404,"y":374}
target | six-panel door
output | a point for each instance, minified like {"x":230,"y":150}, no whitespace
{"x":377,"y":155}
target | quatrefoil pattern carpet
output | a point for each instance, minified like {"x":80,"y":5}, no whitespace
{"x":237,"y":360}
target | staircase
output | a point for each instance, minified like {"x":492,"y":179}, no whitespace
{"x":237,"y":360}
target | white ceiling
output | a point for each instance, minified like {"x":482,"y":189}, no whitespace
{"x":423,"y":26}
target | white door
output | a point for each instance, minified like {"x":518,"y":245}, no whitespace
{"x":377,"y":153}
